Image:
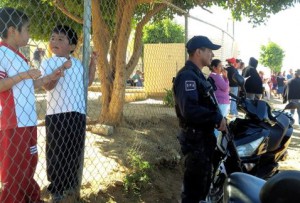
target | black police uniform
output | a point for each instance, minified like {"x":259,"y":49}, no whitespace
{"x":198,"y":116}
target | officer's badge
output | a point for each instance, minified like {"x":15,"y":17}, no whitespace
{"x":190,"y":85}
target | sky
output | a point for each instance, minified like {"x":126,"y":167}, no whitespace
{"x":281,"y":28}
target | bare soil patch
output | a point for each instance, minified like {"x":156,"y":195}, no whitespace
{"x":150,"y":129}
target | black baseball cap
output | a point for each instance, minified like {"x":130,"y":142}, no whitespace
{"x":201,"y":41}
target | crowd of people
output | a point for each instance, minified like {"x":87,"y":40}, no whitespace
{"x":257,"y":85}
{"x":200,"y":118}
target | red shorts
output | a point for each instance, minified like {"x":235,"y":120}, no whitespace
{"x":18,"y":160}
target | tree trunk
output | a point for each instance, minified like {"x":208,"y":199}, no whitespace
{"x":114,"y":72}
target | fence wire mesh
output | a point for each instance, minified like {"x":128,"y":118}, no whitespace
{"x":48,"y":110}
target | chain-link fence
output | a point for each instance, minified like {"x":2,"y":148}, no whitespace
{"x":47,"y":110}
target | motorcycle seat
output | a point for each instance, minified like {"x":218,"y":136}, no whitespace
{"x":283,"y":187}
{"x":242,"y":188}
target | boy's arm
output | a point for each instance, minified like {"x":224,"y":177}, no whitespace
{"x":50,"y":81}
{"x":92,"y":68}
{"x":50,"y":85}
{"x":8,"y":83}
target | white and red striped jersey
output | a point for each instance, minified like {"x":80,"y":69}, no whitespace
{"x":17,"y":105}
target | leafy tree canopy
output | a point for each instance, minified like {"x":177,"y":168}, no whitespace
{"x":45,"y":15}
{"x":271,"y":56}
{"x":165,"y":31}
{"x":112,"y":24}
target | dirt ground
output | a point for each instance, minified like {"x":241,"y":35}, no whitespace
{"x":149,"y":129}
{"x":154,"y":136}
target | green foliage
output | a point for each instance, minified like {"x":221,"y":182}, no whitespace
{"x":271,"y":56}
{"x":169,"y":98}
{"x":139,"y":177}
{"x":165,"y":31}
{"x":258,"y":11}
{"x":44,"y":15}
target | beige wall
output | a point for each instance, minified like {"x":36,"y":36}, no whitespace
{"x":161,"y":63}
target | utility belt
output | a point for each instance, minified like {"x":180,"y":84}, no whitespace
{"x":192,"y":138}
{"x":195,"y":134}
{"x":196,"y":128}
{"x":191,"y":130}
{"x":295,"y":100}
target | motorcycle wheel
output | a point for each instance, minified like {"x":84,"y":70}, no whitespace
{"x":284,"y":156}
{"x":216,"y":193}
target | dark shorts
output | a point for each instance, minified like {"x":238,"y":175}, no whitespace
{"x":280,"y":90}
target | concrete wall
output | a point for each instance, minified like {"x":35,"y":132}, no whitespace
{"x":161,"y":63}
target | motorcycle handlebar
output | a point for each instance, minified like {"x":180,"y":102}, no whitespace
{"x":234,"y":96}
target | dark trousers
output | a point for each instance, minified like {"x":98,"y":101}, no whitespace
{"x":198,"y":150}
{"x":297,"y":101}
{"x":65,"y":134}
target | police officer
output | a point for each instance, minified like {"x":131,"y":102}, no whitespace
{"x":198,"y":116}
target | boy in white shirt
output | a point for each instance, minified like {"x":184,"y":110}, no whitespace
{"x":66,"y":113}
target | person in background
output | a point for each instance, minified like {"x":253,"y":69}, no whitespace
{"x":292,"y":92}
{"x":242,"y":67}
{"x":66,"y":114}
{"x":284,"y":74}
{"x":18,"y":117}
{"x":280,"y":84}
{"x":198,"y":117}
{"x":231,"y":70}
{"x":137,"y":79}
{"x":267,"y":83}
{"x":266,"y":88}
{"x":290,"y":75}
{"x":38,"y":54}
{"x":240,"y":70}
{"x":262,"y":77}
{"x":274,"y":84}
{"x":219,"y":77}
{"x":253,"y":84}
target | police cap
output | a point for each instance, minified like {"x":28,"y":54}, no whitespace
{"x":201,"y":42}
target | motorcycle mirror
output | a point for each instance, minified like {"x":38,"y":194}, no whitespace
{"x":291,"y":105}
{"x":240,"y":80}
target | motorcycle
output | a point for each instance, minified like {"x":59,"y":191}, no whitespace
{"x":245,"y":188}
{"x":253,"y":144}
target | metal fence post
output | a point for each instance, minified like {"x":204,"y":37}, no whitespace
{"x":85,"y":61}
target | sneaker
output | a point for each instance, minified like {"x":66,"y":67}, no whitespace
{"x":72,"y":194}
{"x":56,"y":198}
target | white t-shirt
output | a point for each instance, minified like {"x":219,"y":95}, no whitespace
{"x":17,"y":105}
{"x":68,"y":94}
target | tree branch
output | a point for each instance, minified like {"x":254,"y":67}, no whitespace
{"x":138,"y":37}
{"x":144,"y":1}
{"x":61,"y":6}
{"x":123,"y":38}
{"x":116,"y":33}
{"x":101,"y":39}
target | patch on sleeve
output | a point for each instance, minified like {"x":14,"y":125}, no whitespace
{"x":190,"y":85}
{"x":3,"y":75}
